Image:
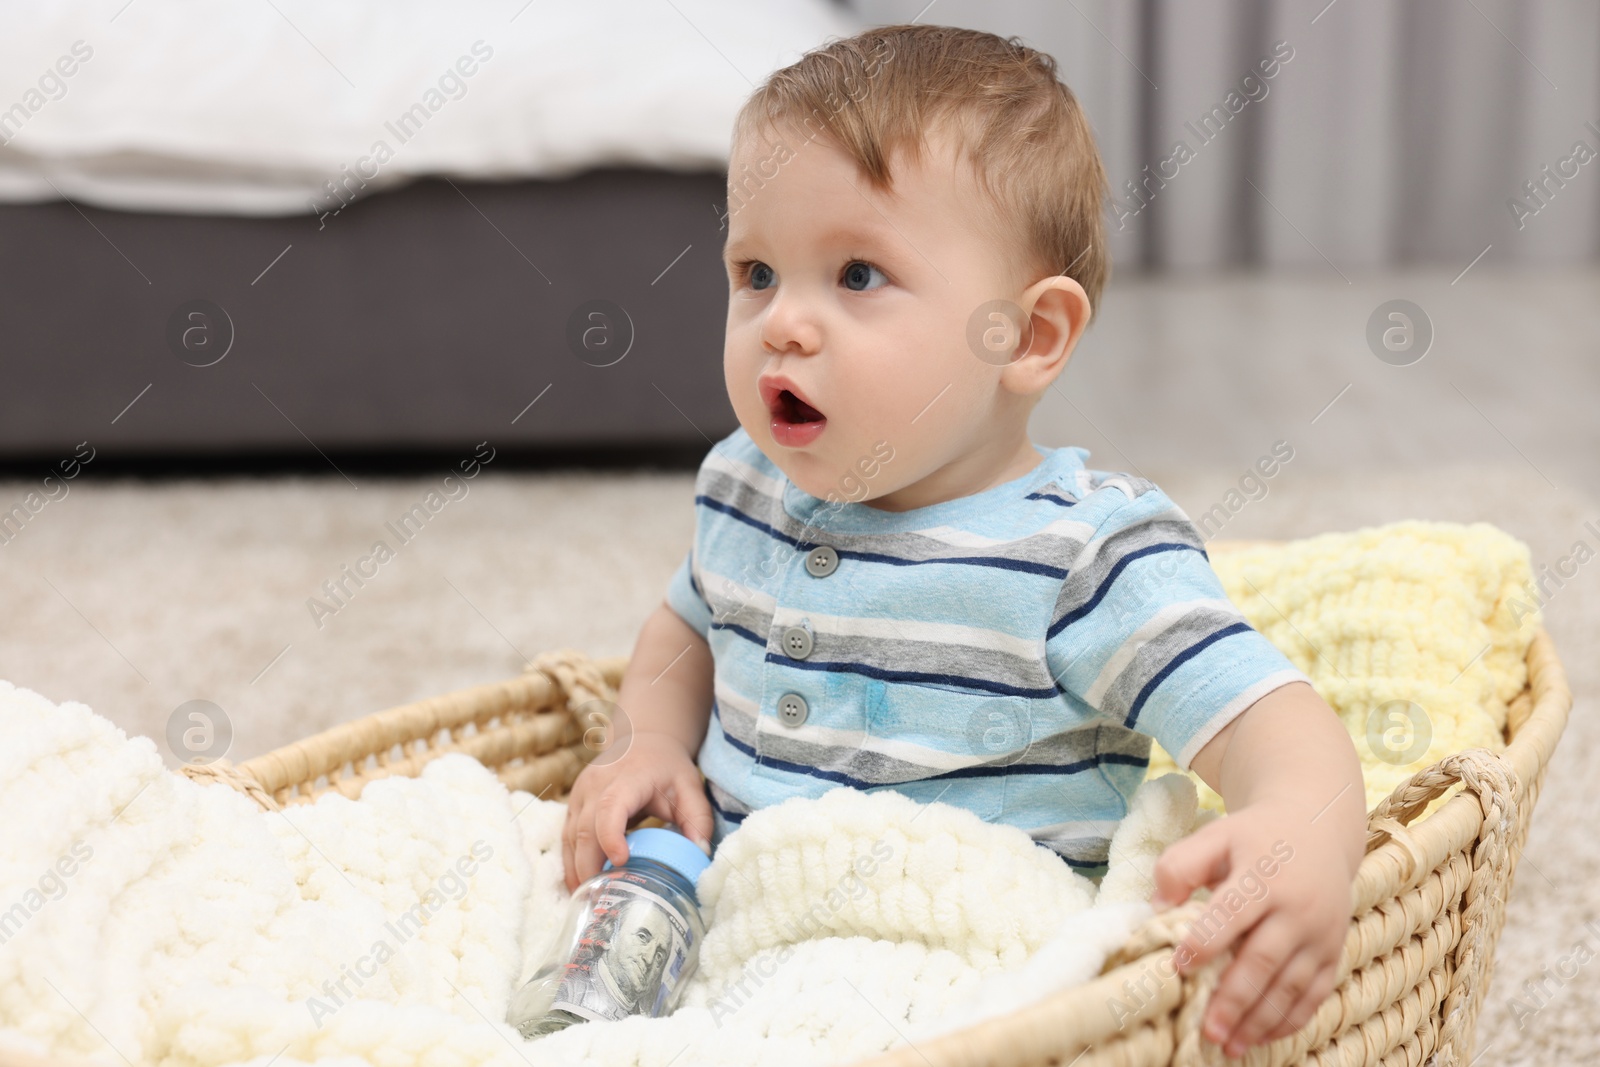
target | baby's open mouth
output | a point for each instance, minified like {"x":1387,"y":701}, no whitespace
{"x":791,"y":408}
{"x":795,"y":422}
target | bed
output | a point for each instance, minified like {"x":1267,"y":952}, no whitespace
{"x":279,"y":229}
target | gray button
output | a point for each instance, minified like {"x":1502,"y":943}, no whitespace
{"x":822,"y":561}
{"x":792,"y":709}
{"x":796,"y":642}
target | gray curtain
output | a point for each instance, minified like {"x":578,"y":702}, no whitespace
{"x":1399,"y":132}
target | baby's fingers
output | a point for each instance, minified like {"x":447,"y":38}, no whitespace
{"x":1272,"y":1012}
{"x":1228,"y":914}
{"x":580,"y":822}
{"x":1201,"y":859}
{"x":1254,"y":966}
{"x":584,"y":856}
{"x":1300,"y":1014}
{"x":683,"y":803}
{"x":621,"y":799}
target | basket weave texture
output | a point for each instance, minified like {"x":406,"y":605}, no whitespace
{"x":1427,"y":904}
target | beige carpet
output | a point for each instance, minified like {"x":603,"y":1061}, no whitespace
{"x":136,"y":597}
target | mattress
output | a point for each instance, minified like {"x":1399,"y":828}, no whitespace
{"x":289,"y":106}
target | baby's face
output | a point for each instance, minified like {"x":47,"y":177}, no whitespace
{"x":848,"y":314}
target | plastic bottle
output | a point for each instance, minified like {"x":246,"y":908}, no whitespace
{"x":628,"y":943}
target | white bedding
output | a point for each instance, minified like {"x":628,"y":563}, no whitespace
{"x":252,"y":107}
{"x":145,"y":918}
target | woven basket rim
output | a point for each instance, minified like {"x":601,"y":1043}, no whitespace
{"x":302,"y":763}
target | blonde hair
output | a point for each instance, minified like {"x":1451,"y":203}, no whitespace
{"x":875,"y":95}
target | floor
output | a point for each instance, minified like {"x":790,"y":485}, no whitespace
{"x":135,"y":597}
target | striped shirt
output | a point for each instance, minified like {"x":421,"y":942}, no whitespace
{"x":1011,"y":652}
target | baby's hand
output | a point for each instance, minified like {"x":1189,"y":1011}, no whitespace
{"x":1280,"y":882}
{"x":655,"y":775}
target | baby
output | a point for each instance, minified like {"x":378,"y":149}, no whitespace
{"x":892,"y":587}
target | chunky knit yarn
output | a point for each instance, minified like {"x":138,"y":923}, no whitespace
{"x":1434,"y":615}
{"x":151,"y":919}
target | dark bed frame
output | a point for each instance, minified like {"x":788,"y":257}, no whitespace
{"x":420,"y":320}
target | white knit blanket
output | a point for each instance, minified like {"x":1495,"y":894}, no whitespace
{"x":148,"y":919}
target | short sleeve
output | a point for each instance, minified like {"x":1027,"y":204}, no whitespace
{"x":685,"y":597}
{"x":1143,"y":633}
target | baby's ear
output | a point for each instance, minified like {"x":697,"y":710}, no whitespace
{"x":1057,"y":310}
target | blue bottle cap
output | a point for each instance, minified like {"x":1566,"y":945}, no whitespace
{"x":668,"y":847}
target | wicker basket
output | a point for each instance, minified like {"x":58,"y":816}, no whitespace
{"x":1428,"y":901}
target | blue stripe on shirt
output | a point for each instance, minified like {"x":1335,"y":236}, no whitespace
{"x":1111,"y":576}
{"x":1179,"y":660}
{"x":880,"y":557}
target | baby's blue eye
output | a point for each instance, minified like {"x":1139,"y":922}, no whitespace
{"x":761,"y":275}
{"x":859,"y":273}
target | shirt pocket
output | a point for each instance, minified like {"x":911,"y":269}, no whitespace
{"x":828,"y":746}
{"x":948,"y":744}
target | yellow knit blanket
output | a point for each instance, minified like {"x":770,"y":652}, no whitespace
{"x":1416,"y":633}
